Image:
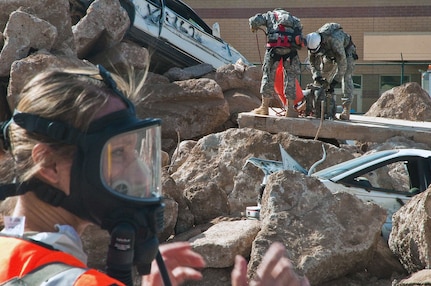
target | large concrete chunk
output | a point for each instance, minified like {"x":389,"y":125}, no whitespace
{"x":56,"y":12}
{"x":410,"y":239}
{"x":24,"y":33}
{"x":103,"y":27}
{"x":326,"y":235}
{"x":222,"y":242}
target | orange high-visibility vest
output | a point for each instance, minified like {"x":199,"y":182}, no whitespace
{"x":19,"y":256}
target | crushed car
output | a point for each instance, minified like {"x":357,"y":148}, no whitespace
{"x":388,"y":178}
{"x":175,"y":35}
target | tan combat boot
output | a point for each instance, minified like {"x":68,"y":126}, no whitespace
{"x":263,"y":109}
{"x":345,"y":115}
{"x":290,"y":109}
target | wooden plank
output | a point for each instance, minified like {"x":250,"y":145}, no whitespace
{"x":360,"y":128}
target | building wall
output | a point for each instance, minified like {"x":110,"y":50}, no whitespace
{"x":393,"y":46}
{"x":356,"y":17}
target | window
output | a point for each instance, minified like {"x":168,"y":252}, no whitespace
{"x":357,"y":82}
{"x":389,"y":81}
{"x":391,"y":177}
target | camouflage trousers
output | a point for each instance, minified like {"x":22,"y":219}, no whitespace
{"x":329,"y":69}
{"x":291,"y":72}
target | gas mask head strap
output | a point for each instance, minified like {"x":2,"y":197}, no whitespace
{"x":4,"y":127}
{"x":109,"y":81}
{"x":56,"y":130}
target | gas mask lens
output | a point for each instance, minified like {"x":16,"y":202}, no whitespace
{"x":131,"y":163}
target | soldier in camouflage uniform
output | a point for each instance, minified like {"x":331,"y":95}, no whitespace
{"x":328,"y":48}
{"x":284,"y":38}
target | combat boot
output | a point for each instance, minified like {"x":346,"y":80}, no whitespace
{"x":263,"y":109}
{"x":290,"y":109}
{"x":345,"y":115}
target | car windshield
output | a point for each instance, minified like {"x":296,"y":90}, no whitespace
{"x":338,"y":169}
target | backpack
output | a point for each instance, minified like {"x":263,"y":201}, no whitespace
{"x":329,"y":28}
{"x":285,"y":19}
{"x":288,"y":33}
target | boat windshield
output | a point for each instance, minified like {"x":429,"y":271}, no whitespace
{"x":338,"y":169}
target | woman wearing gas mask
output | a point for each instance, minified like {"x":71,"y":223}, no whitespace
{"x":80,"y":156}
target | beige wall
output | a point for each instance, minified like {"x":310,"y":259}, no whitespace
{"x":409,"y":46}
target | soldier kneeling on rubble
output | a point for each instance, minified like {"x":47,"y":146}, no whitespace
{"x":331,"y":50}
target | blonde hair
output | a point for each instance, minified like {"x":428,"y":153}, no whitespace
{"x":73,"y":96}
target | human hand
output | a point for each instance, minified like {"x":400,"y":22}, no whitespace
{"x":180,"y":261}
{"x":253,"y":29}
{"x":275,"y":270}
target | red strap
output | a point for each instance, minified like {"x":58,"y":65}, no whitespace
{"x":279,"y":82}
{"x":279,"y":43}
{"x":282,"y":41}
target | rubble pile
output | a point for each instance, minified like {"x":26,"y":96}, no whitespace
{"x":333,"y":239}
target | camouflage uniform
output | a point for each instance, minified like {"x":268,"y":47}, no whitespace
{"x":275,"y":22}
{"x":337,"y":51}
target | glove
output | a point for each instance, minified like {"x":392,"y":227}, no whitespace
{"x":320,"y":80}
{"x":332,"y":85}
{"x":299,"y":41}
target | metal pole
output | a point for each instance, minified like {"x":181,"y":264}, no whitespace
{"x":402,"y":69}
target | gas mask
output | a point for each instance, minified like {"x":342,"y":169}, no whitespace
{"x":115,"y":180}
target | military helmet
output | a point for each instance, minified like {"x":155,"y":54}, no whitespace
{"x":313,"y":41}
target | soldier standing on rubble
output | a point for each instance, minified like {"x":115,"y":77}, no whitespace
{"x":331,"y":48}
{"x":284,"y":39}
